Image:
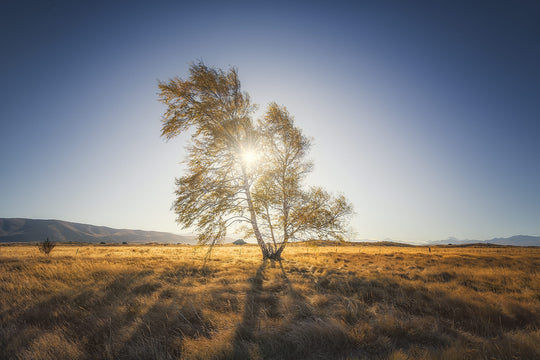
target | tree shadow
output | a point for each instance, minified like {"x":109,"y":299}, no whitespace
{"x":93,"y":312}
{"x":394,"y":315}
{"x":161,"y":330}
{"x":358,"y":317}
{"x":251,"y":317}
{"x":286,"y":279}
{"x":280,"y":323}
{"x":129,"y":315}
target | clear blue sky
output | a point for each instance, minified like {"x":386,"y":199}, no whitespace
{"x":425,"y":114}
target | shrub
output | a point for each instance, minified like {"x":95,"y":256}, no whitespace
{"x":46,"y":246}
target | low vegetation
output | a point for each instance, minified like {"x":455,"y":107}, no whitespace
{"x":320,"y":302}
{"x":46,"y":246}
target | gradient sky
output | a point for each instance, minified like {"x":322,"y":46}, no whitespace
{"x":426,"y":115}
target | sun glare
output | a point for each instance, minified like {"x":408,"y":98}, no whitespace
{"x":250,"y":157}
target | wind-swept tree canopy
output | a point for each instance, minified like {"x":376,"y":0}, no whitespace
{"x":242,"y":172}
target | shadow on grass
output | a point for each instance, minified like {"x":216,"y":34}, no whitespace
{"x":87,"y":311}
{"x":454,"y":313}
{"x":251,"y":317}
{"x":362,"y":317}
{"x":127,"y":315}
{"x":279,"y":323}
{"x":159,"y":333}
{"x":143,"y":314}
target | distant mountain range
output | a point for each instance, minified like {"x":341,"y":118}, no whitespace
{"x":30,"y":230}
{"x":517,"y":240}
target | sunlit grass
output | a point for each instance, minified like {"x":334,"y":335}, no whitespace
{"x":160,"y":302}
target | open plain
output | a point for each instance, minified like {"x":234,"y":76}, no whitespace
{"x":320,"y":302}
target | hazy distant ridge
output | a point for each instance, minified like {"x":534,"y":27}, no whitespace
{"x":31,"y":230}
{"x":517,"y":240}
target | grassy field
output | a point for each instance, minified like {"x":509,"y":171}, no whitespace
{"x":334,"y":302}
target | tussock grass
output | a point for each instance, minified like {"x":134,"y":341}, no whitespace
{"x":342,"y":302}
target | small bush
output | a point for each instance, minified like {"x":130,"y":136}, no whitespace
{"x":46,"y":246}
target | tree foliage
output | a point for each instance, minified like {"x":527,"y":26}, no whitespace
{"x":239,"y":171}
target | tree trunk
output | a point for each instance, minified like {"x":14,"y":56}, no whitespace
{"x":264,"y":249}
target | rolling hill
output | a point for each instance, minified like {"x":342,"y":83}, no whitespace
{"x":31,"y":230}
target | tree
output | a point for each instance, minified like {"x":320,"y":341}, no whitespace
{"x":242,"y":172}
{"x":287,"y":210}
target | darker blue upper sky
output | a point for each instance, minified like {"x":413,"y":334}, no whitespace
{"x":450,"y":88}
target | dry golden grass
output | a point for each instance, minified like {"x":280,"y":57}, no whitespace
{"x":346,"y":302}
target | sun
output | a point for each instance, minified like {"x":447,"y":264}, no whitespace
{"x":250,"y":157}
